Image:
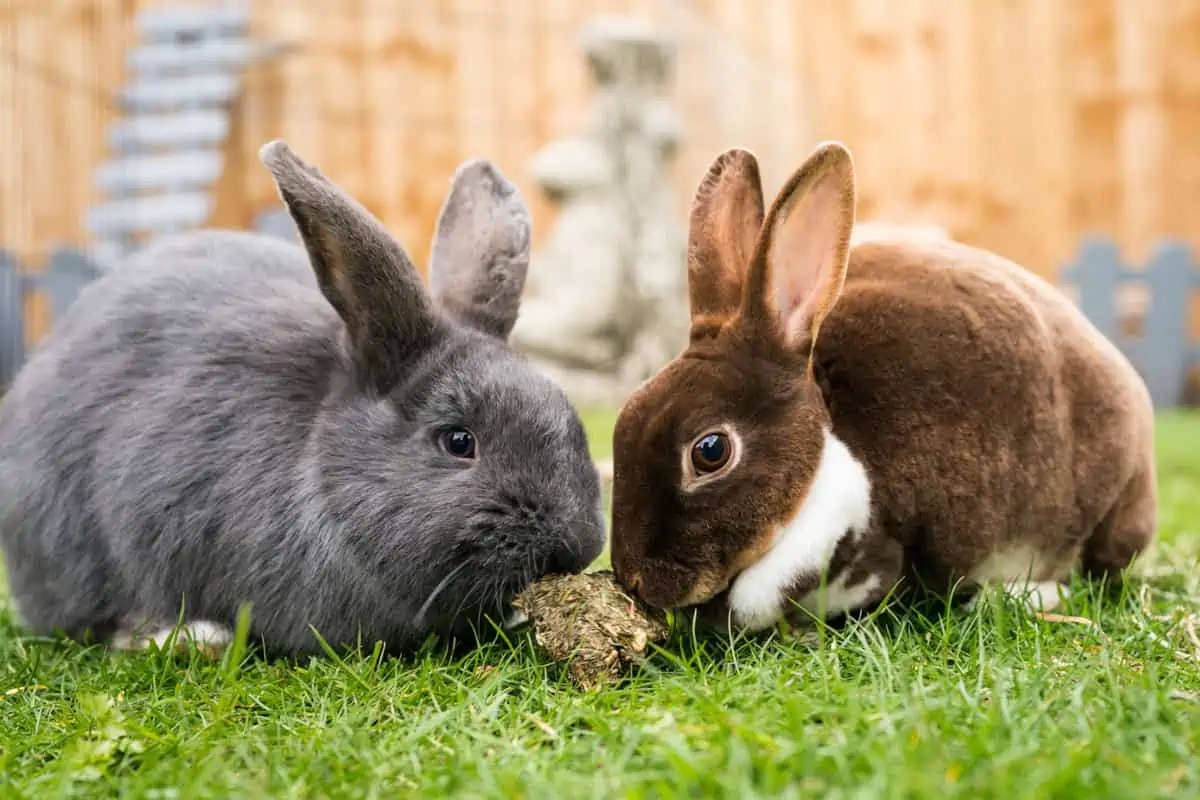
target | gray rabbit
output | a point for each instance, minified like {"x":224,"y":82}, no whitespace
{"x":226,"y":419}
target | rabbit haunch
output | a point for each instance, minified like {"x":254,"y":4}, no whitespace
{"x":229,"y":419}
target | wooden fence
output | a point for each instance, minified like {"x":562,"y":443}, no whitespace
{"x":1159,"y":343}
{"x":1020,"y":125}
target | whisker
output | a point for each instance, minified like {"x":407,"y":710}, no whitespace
{"x":436,"y":591}
{"x":573,"y":548}
{"x":463,"y":602}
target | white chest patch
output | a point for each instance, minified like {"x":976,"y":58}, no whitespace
{"x":838,"y":504}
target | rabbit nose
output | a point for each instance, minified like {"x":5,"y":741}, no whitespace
{"x":632,"y":581}
{"x":577,"y":546}
{"x":568,"y":559}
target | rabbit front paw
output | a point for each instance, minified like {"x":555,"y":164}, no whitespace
{"x":1038,"y":596}
{"x":210,"y":638}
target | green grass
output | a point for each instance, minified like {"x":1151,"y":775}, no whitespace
{"x":913,"y":703}
{"x":599,"y":423}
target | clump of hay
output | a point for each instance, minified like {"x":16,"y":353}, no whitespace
{"x":591,"y":624}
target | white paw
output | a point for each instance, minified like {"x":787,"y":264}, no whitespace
{"x":210,"y":638}
{"x":515,"y":619}
{"x":755,"y":606}
{"x":1042,"y":596}
{"x":1049,"y":595}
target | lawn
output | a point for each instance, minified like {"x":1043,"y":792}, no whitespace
{"x":912,"y":703}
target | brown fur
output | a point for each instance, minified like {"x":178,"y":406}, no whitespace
{"x":725,"y":218}
{"x":986,"y":409}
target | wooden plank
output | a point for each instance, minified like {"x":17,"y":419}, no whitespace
{"x":149,"y":213}
{"x":429,"y":154}
{"x":388,"y":47}
{"x":150,"y":94}
{"x":1089,"y":50}
{"x":786,"y":85}
{"x":198,"y":127}
{"x":1049,"y":139}
{"x":477,"y":85}
{"x":955,"y":88}
{"x":1005,"y":77}
{"x":46,"y":189}
{"x":12,"y":225}
{"x":1143,"y":136}
{"x":1180,"y":210}
{"x":878,"y":105}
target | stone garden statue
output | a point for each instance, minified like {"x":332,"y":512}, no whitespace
{"x":605,"y":305}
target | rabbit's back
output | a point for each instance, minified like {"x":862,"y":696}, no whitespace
{"x":991,"y":412}
{"x":186,"y":295}
{"x":160,"y":401}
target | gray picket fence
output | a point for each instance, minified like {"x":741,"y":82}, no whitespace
{"x":1162,"y":351}
{"x":65,"y":274}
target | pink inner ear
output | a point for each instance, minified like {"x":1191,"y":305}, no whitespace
{"x":805,"y":255}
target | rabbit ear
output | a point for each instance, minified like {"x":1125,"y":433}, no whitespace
{"x":800,"y":265}
{"x":726,"y":217}
{"x":481,"y":249}
{"x":362,"y":270}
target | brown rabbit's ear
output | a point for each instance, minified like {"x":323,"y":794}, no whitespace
{"x":800,"y":266}
{"x":726,"y":218}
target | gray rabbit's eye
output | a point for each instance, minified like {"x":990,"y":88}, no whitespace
{"x":459,"y":442}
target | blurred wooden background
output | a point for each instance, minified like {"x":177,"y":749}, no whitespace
{"x":1017,"y":124}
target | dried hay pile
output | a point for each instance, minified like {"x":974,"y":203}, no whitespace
{"x":591,"y":624}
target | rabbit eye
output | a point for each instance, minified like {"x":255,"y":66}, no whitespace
{"x":459,"y":442}
{"x":711,"y":452}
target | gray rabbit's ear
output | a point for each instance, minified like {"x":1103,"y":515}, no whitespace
{"x":360,"y":267}
{"x":481,"y":249}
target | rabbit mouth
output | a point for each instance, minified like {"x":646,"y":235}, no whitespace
{"x":712,"y":613}
{"x":514,"y":618}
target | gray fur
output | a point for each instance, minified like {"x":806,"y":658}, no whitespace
{"x":223,"y":419}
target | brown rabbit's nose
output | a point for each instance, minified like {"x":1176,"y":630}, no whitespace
{"x":631,"y":579}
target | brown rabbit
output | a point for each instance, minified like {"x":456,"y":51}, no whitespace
{"x":844,"y":418}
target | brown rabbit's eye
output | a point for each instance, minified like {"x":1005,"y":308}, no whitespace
{"x":711,"y":452}
{"x":459,"y":442}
